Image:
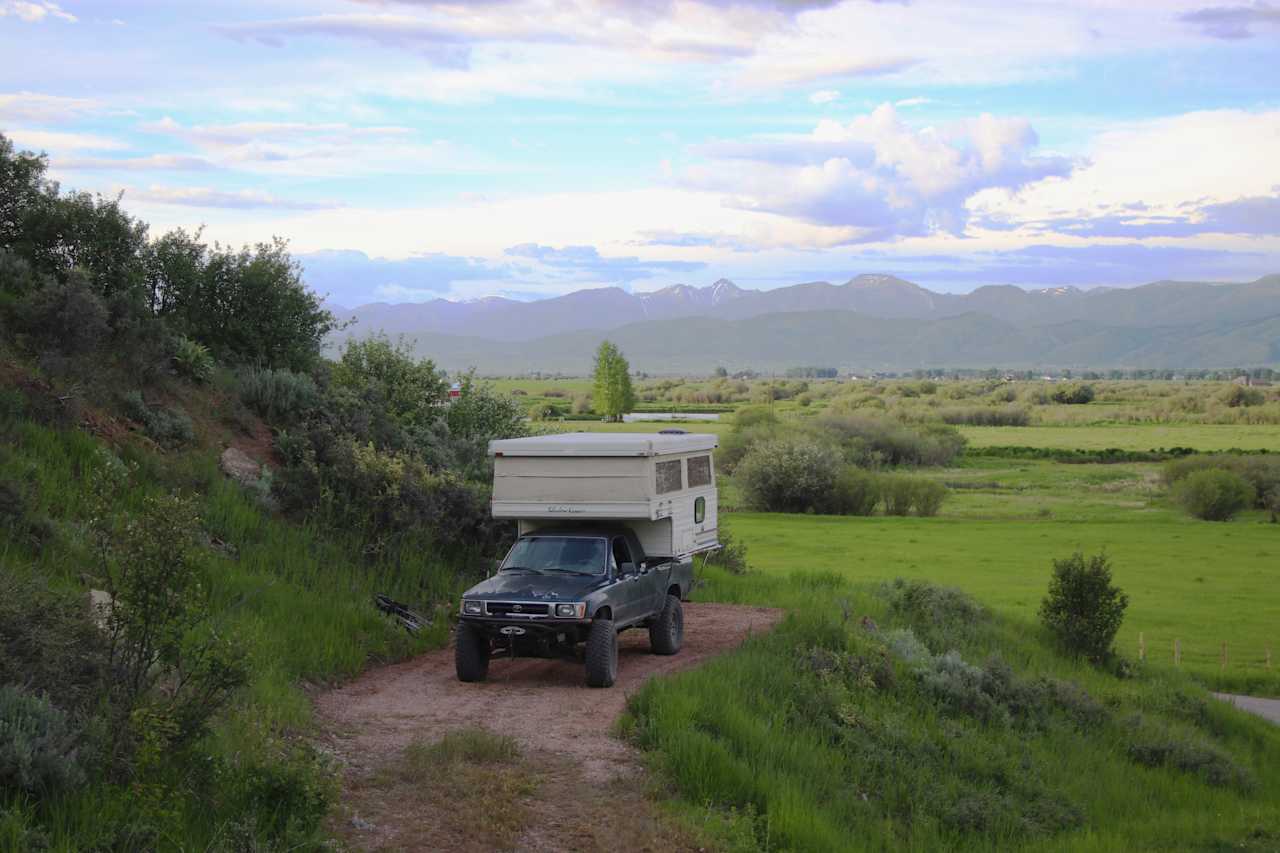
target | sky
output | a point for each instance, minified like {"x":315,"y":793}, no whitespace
{"x":525,"y":148}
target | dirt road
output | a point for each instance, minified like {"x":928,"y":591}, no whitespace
{"x":562,"y":728}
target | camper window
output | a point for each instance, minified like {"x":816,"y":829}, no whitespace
{"x":699,"y":510}
{"x":699,"y":471}
{"x":669,"y":479}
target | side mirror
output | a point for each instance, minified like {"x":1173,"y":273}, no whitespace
{"x":625,"y":569}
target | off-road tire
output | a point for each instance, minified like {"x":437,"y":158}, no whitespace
{"x":471,"y":653}
{"x":602,"y":654}
{"x":666,"y":633}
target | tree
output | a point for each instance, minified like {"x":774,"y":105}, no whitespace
{"x":612,"y":393}
{"x":1083,"y":609}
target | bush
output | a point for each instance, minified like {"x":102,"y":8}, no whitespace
{"x":730,"y":556}
{"x":192,"y":360}
{"x":870,"y":441}
{"x":50,"y":644}
{"x":987,"y":416}
{"x":66,"y":318}
{"x":1153,"y":746}
{"x":1083,"y":610}
{"x":1213,"y":495}
{"x":898,"y":494}
{"x":927,"y":496}
{"x":1261,"y":472}
{"x":1073,"y":394}
{"x":1238,"y":395}
{"x":38,"y":746}
{"x":167,"y":427}
{"x":278,"y":396}
{"x":788,"y":475}
{"x":855,"y":492}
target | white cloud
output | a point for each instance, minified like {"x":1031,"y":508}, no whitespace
{"x":875,"y":174}
{"x":1154,"y":172}
{"x":912,"y":102}
{"x":233,"y":199}
{"x":34,"y":12}
{"x":824,"y":96}
{"x":37,"y":107}
{"x":55,"y":142}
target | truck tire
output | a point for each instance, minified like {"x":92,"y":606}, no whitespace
{"x":666,"y":633}
{"x":471,"y":653}
{"x":602,"y":654}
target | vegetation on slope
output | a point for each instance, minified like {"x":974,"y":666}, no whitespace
{"x":906,"y":716}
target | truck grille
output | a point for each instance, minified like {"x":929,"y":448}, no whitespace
{"x":511,"y":608}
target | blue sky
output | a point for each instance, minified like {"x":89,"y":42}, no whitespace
{"x":421,"y":149}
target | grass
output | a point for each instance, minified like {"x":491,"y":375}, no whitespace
{"x":1203,"y":437}
{"x":714,"y":427}
{"x":298,"y":600}
{"x":825,"y":735}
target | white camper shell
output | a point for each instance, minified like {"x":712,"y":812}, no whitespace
{"x":661,"y":486}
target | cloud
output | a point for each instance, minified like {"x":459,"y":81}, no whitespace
{"x":585,"y":263}
{"x":35,"y":12}
{"x":352,"y":277}
{"x":1089,"y":265}
{"x":37,"y":107}
{"x":824,"y":96}
{"x":912,"y":102}
{"x":212,"y":198}
{"x":1253,"y":216}
{"x":439,"y":45}
{"x":147,"y":163}
{"x":58,"y":141}
{"x":1233,"y":22}
{"x":875,"y":174}
{"x":318,"y":148}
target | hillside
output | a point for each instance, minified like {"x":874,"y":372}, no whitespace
{"x":868,"y":323}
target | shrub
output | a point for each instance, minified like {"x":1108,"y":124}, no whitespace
{"x":50,"y":644}
{"x":750,"y":416}
{"x":1238,"y":395}
{"x":871,"y":441}
{"x":1213,"y":495}
{"x":1262,"y":472}
{"x":1073,"y":394}
{"x":987,"y":416}
{"x":192,"y":360}
{"x":730,"y":556}
{"x":788,"y":475}
{"x":167,"y":427}
{"x":927,"y":496}
{"x":1083,"y":610}
{"x":1153,"y":746}
{"x":278,"y":396}
{"x":898,"y":494}
{"x":855,"y":492}
{"x":943,"y":617}
{"x":38,"y":746}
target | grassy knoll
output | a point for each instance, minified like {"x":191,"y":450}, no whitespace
{"x":851,"y":728}
{"x":1203,"y":437}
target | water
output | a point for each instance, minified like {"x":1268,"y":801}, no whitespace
{"x":669,"y":416}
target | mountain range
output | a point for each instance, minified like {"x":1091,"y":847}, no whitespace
{"x":870,"y":322}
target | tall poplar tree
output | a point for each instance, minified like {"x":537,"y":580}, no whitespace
{"x":611,"y":394}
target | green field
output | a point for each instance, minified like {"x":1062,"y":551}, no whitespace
{"x":717,"y":427}
{"x":1204,"y":437}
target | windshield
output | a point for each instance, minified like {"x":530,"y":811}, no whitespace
{"x":580,"y":554}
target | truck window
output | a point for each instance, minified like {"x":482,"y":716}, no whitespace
{"x":621,"y":553}
{"x":669,"y":476}
{"x":558,"y":554}
{"x":699,"y":471}
{"x":699,"y":510}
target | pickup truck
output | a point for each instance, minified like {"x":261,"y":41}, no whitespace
{"x":565,"y":592}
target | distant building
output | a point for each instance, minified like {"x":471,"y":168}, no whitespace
{"x":1249,"y":382}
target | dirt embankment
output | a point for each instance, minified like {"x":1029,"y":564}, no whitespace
{"x":587,"y":788}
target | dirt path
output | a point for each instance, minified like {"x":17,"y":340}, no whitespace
{"x":575,"y":785}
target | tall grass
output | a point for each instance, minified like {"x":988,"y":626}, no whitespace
{"x":820,"y":736}
{"x":298,"y":598}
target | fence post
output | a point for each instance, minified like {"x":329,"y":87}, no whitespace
{"x":1142,"y":647}
{"x":1224,"y":657}
{"x":1177,"y":653}
{"x":1268,"y":656}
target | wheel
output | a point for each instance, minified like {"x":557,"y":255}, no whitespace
{"x":602,"y":654}
{"x":666,"y":633}
{"x":471,"y":653}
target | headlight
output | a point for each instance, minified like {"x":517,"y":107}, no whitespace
{"x":472,"y":608}
{"x":571,"y":611}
